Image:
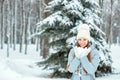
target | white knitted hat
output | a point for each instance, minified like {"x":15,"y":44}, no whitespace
{"x":84,"y":32}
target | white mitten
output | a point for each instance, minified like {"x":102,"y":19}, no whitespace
{"x":85,"y":52}
{"x":81,"y":52}
{"x":78,"y":51}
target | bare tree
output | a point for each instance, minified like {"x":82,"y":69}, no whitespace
{"x":8,"y":27}
{"x":27,"y":28}
{"x":39,"y":18}
{"x":107,"y":19}
{"x":2,"y":28}
{"x":111,"y":26}
{"x":11,"y":22}
{"x":22,"y":26}
{"x":15,"y":27}
{"x":18,"y":20}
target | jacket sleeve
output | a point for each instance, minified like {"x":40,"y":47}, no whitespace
{"x":72,"y":62}
{"x":70,"y":56}
{"x":91,"y":67}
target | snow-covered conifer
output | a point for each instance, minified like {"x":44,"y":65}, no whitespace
{"x":61,"y":27}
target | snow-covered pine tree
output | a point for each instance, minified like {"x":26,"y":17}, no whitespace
{"x":61,"y":28}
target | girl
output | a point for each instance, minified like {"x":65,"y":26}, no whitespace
{"x":83,"y":60}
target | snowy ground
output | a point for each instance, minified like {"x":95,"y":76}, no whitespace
{"x":22,"y":67}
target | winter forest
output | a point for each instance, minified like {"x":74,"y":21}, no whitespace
{"x":37,"y":35}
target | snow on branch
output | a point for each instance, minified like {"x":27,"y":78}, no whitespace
{"x":75,"y":12}
{"x":74,"y":5}
{"x":56,"y":17}
{"x":35,"y":34}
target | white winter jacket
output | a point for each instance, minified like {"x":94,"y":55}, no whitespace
{"x":83,"y":62}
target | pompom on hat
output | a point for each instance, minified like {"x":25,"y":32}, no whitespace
{"x":83,"y":32}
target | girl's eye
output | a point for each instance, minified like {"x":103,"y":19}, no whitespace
{"x":84,"y":39}
{"x":79,"y":40}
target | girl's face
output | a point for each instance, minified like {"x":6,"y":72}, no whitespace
{"x":82,"y":42}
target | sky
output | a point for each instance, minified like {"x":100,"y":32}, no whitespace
{"x":23,"y":67}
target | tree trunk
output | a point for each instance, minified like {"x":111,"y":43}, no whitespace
{"x":22,"y":26}
{"x":2,"y":27}
{"x":38,"y":6}
{"x":111,"y":26}
{"x":11,"y":23}
{"x":43,"y":42}
{"x":27,"y":28}
{"x":15,"y":27}
{"x":8,"y":27}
